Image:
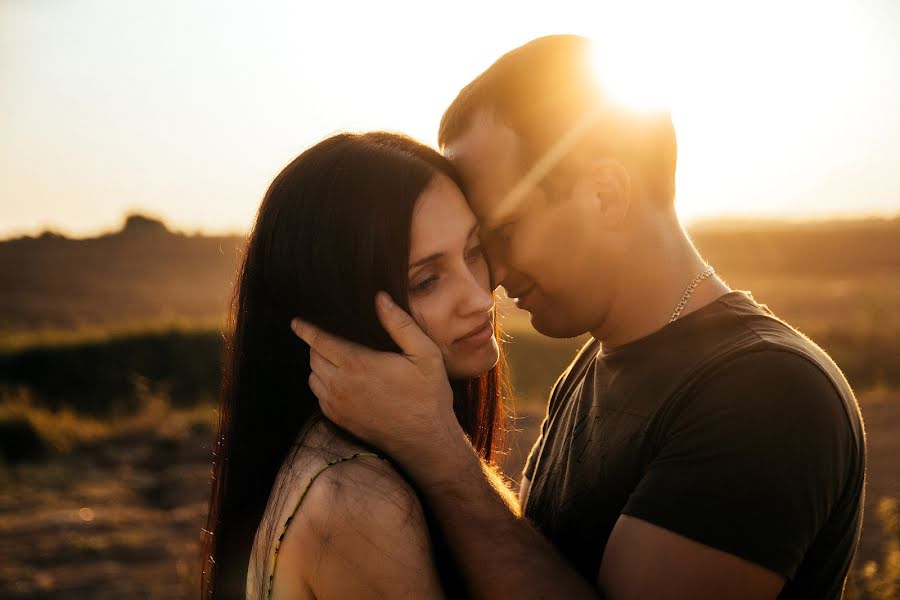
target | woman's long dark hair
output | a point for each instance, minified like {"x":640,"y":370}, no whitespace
{"x":333,"y":228}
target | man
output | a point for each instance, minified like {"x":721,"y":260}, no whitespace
{"x":698,"y":447}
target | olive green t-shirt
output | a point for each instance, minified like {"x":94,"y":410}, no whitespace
{"x":727,"y":426}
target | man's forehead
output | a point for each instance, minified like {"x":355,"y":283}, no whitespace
{"x":487,"y":157}
{"x":485,"y":137}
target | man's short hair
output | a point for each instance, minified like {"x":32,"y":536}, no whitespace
{"x":549,"y":87}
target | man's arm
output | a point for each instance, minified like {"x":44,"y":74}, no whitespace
{"x":499,"y":553}
{"x":643,"y":560}
{"x":402,"y":404}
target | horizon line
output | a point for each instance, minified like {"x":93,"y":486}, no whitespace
{"x":724,"y":219}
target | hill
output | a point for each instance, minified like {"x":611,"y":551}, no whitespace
{"x":143,"y":273}
{"x":833,"y":272}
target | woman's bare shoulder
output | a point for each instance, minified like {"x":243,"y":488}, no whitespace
{"x":361,"y":529}
{"x":365,"y":492}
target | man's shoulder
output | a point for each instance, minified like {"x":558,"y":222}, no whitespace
{"x":755,"y":334}
{"x":778,"y":355}
{"x":782,"y":406}
{"x":767,"y":370}
{"x":745,"y":372}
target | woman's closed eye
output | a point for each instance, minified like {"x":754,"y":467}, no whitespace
{"x":424,"y":284}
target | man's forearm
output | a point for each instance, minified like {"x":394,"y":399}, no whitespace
{"x":499,"y":552}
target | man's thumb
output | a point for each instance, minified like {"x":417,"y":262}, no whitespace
{"x":401,"y":327}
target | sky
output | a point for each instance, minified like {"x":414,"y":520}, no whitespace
{"x":186,"y":109}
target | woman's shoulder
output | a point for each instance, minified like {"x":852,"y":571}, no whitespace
{"x":357,"y":488}
{"x":340,"y":483}
{"x":359,"y":513}
{"x":336,"y":502}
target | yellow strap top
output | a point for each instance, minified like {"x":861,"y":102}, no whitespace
{"x":287,"y":522}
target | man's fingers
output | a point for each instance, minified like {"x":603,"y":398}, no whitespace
{"x":325,"y":395}
{"x":401,"y":327}
{"x":332,"y":348}
{"x":321,"y":365}
{"x":318,"y":387}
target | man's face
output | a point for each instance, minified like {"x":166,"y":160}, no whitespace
{"x":542,"y":249}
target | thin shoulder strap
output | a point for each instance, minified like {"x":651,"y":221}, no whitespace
{"x":287,"y":522}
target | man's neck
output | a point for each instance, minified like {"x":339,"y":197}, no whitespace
{"x":652,"y":283}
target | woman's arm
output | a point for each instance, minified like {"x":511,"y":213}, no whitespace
{"x":360,"y":533}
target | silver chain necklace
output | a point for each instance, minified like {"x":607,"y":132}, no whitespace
{"x":685,"y":298}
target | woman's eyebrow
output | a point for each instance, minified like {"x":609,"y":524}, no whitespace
{"x":439,"y":255}
{"x":427,"y":259}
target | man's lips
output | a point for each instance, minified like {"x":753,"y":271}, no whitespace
{"x":520,"y":297}
{"x":480,"y":333}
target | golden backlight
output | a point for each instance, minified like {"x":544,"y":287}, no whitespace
{"x":187,"y":110}
{"x":636,"y":79}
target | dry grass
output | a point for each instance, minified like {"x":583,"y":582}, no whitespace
{"x":65,"y":430}
{"x":880,"y":579}
{"x":117,"y":507}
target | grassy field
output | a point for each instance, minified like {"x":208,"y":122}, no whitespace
{"x":109,"y":366}
{"x":108,"y":496}
{"x":114,"y":508}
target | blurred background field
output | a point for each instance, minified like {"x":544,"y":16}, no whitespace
{"x":109,"y":368}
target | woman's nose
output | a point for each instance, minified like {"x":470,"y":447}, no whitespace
{"x":475,"y":295}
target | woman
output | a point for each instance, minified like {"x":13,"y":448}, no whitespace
{"x":300,"y":509}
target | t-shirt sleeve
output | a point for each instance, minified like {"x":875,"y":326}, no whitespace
{"x":751,"y":461}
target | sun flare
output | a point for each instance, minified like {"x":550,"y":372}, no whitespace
{"x":637,"y":82}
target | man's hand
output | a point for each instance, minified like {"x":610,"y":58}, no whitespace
{"x":399,"y":402}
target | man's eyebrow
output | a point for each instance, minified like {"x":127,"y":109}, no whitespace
{"x":439,"y":255}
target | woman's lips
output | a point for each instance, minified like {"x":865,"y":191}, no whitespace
{"x":479,"y":335}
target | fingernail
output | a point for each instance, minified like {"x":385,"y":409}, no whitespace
{"x":295,"y":324}
{"x":385,"y":300}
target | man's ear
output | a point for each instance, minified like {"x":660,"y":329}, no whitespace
{"x":610,"y":185}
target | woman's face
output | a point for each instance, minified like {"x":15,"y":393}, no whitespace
{"x":449,"y":284}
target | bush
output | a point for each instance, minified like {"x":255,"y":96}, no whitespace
{"x":20,"y":440}
{"x":876,"y":581}
{"x":107,"y":376}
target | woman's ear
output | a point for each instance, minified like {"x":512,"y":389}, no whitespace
{"x":610,"y":184}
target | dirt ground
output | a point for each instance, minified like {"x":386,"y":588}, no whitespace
{"x":123,"y":519}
